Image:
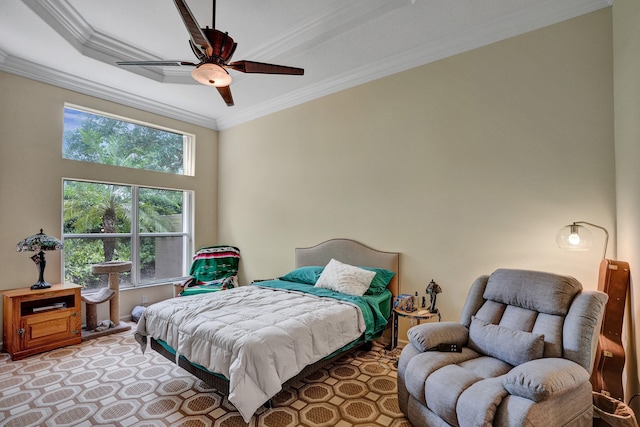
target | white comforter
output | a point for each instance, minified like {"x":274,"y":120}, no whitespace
{"x":256,"y":337}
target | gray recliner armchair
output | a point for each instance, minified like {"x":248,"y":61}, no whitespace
{"x":528,"y":343}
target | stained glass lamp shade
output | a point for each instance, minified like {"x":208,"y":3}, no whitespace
{"x":40,"y":243}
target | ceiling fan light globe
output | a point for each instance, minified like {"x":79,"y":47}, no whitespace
{"x":211,"y":75}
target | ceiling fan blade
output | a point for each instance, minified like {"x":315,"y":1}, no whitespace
{"x":262,"y":68}
{"x":225,"y":92}
{"x":156,"y":63}
{"x":190,"y":22}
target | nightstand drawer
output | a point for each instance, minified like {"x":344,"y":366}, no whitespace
{"x":56,"y":325}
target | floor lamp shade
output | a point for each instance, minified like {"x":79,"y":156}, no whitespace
{"x":577,"y":237}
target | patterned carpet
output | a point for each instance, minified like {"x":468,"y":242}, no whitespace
{"x":109,"y":382}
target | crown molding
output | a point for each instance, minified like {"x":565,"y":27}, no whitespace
{"x":403,"y":61}
{"x":57,"y":78}
{"x":63,"y":18}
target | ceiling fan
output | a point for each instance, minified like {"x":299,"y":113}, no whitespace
{"x":214,"y":49}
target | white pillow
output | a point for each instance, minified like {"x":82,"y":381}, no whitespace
{"x":345,"y":278}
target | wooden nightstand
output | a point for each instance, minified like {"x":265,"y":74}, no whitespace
{"x":415,"y":316}
{"x":41,"y":320}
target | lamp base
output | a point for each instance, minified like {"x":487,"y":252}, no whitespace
{"x":40,"y":285}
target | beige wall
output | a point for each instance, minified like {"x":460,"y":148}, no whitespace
{"x":32,"y":169}
{"x":626,"y":36}
{"x":463,"y":166}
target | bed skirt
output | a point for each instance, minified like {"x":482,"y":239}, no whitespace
{"x":221,"y":383}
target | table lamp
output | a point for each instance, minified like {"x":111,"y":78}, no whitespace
{"x":39,"y":243}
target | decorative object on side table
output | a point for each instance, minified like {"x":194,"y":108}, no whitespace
{"x":40,"y":243}
{"x":405,"y":302}
{"x":433,"y":289}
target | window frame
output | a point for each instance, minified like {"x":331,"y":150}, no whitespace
{"x":144,"y":179}
{"x":188,"y":139}
{"x":135,"y":235}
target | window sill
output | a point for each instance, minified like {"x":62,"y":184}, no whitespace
{"x":153,"y":285}
{"x":133,"y":288}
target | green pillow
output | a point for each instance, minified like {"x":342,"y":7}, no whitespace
{"x":308,"y":275}
{"x":380,"y":280}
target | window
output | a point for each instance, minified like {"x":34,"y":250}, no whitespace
{"x":109,"y":222}
{"x":99,"y":138}
{"x":106,"y":221}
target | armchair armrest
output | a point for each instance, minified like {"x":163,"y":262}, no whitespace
{"x":179,"y":287}
{"x":540,"y":379}
{"x":429,"y":335}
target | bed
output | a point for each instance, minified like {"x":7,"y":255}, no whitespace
{"x":251,"y":341}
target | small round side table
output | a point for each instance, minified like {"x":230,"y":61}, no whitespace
{"x":414,"y":316}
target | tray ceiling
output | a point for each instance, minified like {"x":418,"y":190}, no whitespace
{"x":75,"y":43}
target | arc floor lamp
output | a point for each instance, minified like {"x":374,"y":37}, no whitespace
{"x":613,"y":279}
